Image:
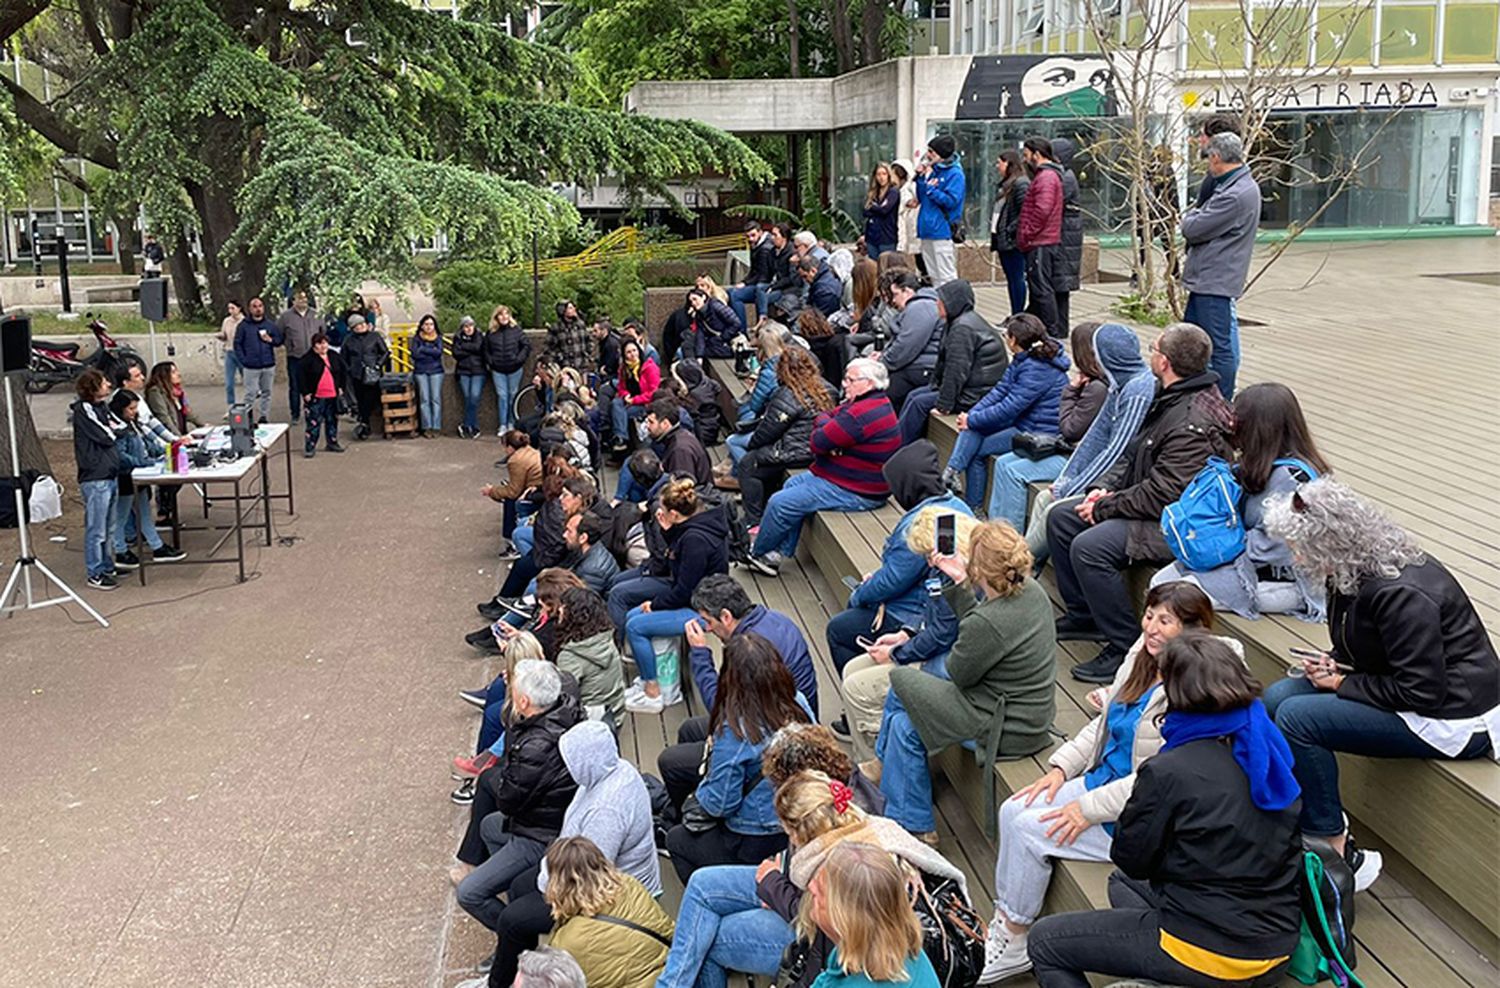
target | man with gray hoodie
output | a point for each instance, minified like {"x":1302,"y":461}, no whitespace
{"x":913,"y":353}
{"x":611,"y":808}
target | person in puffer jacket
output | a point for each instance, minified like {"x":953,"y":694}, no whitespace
{"x":782,"y":439}
{"x":913,"y":353}
{"x":971,"y":359}
{"x":506,"y":350}
{"x":712,"y":325}
{"x":1027,"y":399}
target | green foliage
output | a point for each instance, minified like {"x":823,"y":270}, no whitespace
{"x":827,"y":221}
{"x":24,"y":157}
{"x":1153,"y":310}
{"x":475,"y":287}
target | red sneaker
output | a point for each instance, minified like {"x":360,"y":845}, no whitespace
{"x":469,"y":767}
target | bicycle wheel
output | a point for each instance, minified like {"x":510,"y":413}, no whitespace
{"x":525,"y":403}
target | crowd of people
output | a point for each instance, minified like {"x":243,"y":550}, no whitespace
{"x":801,"y":824}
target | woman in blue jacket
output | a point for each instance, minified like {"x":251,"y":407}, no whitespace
{"x":427,"y":366}
{"x":757,"y":697}
{"x":1027,"y":399}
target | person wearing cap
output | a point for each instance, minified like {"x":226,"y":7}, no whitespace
{"x":468,"y":364}
{"x":940,"y":207}
{"x":366,"y":357}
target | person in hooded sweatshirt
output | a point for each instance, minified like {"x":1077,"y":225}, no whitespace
{"x":698,"y":537}
{"x":940,"y":207}
{"x":611,"y":808}
{"x":913,"y":352}
{"x":1027,"y":399}
{"x":971,"y":359}
{"x":894,"y":595}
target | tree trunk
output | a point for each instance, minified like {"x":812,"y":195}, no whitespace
{"x":125,"y":242}
{"x":794,"y":37}
{"x":872,"y":30}
{"x":185,"y":283}
{"x":843,"y":35}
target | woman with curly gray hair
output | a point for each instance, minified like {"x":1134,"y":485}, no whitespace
{"x":1412,"y":672}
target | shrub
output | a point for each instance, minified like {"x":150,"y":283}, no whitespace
{"x":476,"y":287}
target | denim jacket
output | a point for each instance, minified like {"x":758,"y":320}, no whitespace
{"x":731,"y":761}
{"x":898,"y":582}
{"x":936,"y":634}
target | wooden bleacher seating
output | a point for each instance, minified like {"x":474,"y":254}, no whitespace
{"x":1438,"y":823}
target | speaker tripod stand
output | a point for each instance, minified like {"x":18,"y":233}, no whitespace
{"x":20,"y":584}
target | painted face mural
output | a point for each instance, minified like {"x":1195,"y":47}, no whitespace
{"x":1036,"y":86}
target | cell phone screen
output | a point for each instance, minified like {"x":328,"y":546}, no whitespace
{"x":946,"y":536}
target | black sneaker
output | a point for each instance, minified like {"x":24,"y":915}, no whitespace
{"x":334,"y":448}
{"x":167,"y":554}
{"x":484,"y":640}
{"x":492,"y":609}
{"x":464,"y":794}
{"x":104,"y":581}
{"x":483,"y":967}
{"x":475,"y":698}
{"x":1102,"y":667}
{"x":126,"y":560}
{"x":1076,"y":629}
{"x":308,"y":454}
{"x":840,"y":727}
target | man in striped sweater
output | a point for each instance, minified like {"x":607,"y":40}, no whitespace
{"x":849,"y":446}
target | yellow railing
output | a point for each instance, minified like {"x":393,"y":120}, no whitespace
{"x":625,"y":242}
{"x":400,"y":344}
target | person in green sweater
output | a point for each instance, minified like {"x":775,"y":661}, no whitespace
{"x":586,"y":650}
{"x":858,"y":900}
{"x":1000,"y":686}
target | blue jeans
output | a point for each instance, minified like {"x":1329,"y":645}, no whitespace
{"x":140,"y":503}
{"x":471,"y":386}
{"x":524,"y":538}
{"x":874,"y":250}
{"x":803,"y":495}
{"x":430,"y":398}
{"x":721,"y":927}
{"x":630,"y":589}
{"x":915,"y":411}
{"x":98,"y":524}
{"x":642,"y":626}
{"x":628,"y":489}
{"x":745,"y":293}
{"x":1013,"y":263}
{"x":904,"y":777}
{"x":623,"y":416}
{"x":1317,"y":723}
{"x":1216,"y":316}
{"x":739,"y":445}
{"x":969,"y":456}
{"x":1008,"y":487}
{"x":507,"y":386}
{"x":492,"y":727}
{"x":232,"y":369}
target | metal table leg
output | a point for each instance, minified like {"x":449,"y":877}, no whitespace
{"x":239,"y":528}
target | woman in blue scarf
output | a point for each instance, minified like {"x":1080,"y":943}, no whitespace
{"x":1207,"y":847}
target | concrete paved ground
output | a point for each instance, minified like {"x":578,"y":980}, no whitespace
{"x":247,"y":784}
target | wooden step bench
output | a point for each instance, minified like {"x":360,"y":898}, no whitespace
{"x":398,"y":412}
{"x":732,"y":389}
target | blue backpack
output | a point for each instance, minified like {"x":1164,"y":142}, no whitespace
{"x":1203,"y":527}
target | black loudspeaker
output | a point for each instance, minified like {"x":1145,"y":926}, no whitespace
{"x":15,"y":344}
{"x":154,"y":299}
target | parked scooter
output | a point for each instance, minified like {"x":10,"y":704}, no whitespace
{"x":54,"y":362}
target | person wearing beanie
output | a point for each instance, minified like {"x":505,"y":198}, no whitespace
{"x":940,"y":207}
{"x":365,"y":356}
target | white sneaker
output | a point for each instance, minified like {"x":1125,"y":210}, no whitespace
{"x":643,"y":704}
{"x":480,"y":982}
{"x":1004,"y":954}
{"x":1367,"y":869}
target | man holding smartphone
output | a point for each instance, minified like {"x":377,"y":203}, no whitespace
{"x":940,"y":207}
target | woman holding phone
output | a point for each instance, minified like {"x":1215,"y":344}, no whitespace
{"x":1412,"y":672}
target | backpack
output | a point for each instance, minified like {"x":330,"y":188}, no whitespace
{"x":1325,"y":947}
{"x":740,"y":542}
{"x":1204,"y":527}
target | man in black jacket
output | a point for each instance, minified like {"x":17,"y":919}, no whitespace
{"x":529,"y":789}
{"x":1096,"y":538}
{"x":971,"y":360}
{"x":679,"y":450}
{"x":785,"y":286}
{"x":586,"y":534}
{"x":757,"y":283}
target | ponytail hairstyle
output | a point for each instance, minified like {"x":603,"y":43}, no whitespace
{"x":1029,"y":335}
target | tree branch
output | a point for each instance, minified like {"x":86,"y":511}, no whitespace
{"x":62,"y":134}
{"x":16,"y":14}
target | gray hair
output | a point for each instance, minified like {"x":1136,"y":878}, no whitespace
{"x":538,"y":680}
{"x":806,"y":238}
{"x":1227,"y":147}
{"x":1338,"y":536}
{"x":773,"y":339}
{"x":873,"y":371}
{"x":549,"y":967}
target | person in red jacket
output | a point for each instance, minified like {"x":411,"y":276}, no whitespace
{"x":1039,"y":235}
{"x":639,"y":379}
{"x":849,"y":446}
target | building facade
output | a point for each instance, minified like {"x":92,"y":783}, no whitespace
{"x":1410,"y":84}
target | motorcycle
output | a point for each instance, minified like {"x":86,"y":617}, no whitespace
{"x":54,"y":362}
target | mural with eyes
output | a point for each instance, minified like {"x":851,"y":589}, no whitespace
{"x":1036,"y":86}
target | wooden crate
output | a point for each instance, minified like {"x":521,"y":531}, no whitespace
{"x":398,"y":412}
